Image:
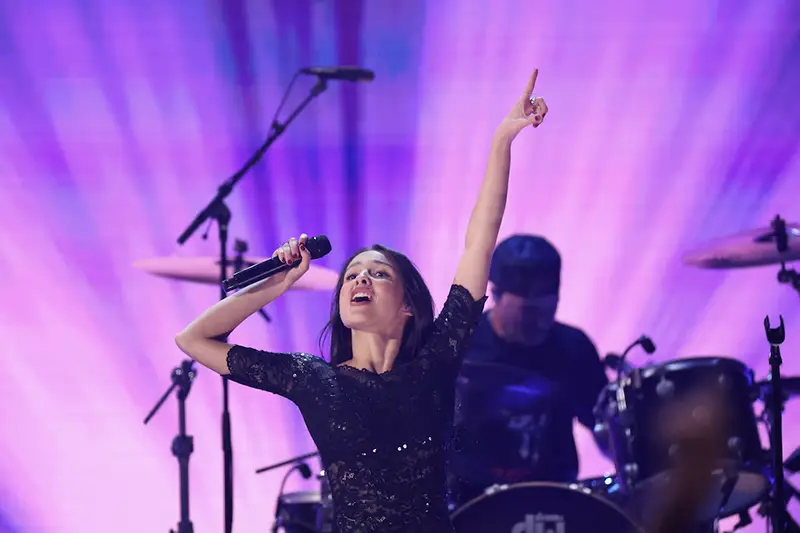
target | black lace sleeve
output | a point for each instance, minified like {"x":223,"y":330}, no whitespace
{"x":296,"y":376}
{"x":453,"y":327}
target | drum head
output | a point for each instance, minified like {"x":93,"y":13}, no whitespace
{"x":541,"y":508}
{"x":301,"y":497}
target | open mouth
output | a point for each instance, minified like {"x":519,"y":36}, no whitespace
{"x":361,"y":298}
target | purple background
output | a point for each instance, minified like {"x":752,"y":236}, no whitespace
{"x":671,"y":122}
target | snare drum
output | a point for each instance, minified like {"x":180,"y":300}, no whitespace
{"x":541,"y":508}
{"x":299,"y":512}
{"x":308,"y":511}
{"x":642,"y":458}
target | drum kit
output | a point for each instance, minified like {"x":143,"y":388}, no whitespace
{"x":749,"y":475}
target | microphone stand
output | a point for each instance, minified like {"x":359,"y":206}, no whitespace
{"x":297,"y":459}
{"x":280,"y":521}
{"x":645,"y":342}
{"x":217,"y":210}
{"x":775,"y":337}
{"x":240,"y":247}
{"x":183,"y":444}
{"x":630,"y":473}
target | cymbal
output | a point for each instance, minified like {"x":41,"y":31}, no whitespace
{"x":747,"y":249}
{"x":206,"y":271}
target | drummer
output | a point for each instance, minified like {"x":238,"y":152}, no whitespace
{"x":504,"y":438}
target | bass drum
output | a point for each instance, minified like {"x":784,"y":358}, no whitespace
{"x":541,"y":508}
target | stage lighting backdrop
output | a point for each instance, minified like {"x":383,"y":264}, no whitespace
{"x":671,"y":122}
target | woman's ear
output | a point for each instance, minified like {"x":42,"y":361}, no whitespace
{"x":407,"y":310}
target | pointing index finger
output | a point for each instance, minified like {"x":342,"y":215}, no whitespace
{"x":531,"y":84}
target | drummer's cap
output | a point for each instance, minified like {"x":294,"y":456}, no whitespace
{"x":526,"y":265}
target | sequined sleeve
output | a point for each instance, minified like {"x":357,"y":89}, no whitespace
{"x":295,"y":376}
{"x":454,"y":326}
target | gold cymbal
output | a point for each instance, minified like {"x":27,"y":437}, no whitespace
{"x":206,"y":271}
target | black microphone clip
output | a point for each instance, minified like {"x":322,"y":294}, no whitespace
{"x":340,"y":73}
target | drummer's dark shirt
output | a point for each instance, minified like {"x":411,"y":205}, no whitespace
{"x":538,"y":445}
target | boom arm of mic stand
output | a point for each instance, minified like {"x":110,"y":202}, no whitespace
{"x":287,"y":462}
{"x":226,"y":188}
{"x":160,"y":402}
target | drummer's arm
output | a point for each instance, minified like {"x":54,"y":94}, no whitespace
{"x":593,"y":381}
{"x":603,"y":441}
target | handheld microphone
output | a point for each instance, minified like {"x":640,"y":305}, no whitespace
{"x":318,"y":246}
{"x":340,"y":73}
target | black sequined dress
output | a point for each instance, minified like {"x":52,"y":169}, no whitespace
{"x":382,"y":438}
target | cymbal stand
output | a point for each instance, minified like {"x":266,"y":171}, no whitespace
{"x":789,"y":276}
{"x":775,"y":337}
{"x":219,"y":211}
{"x":240,"y":247}
{"x":785,"y":275}
{"x":183,"y":444}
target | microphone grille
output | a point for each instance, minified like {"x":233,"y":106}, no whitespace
{"x":318,"y":246}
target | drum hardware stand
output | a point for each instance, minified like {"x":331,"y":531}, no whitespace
{"x":631,"y":474}
{"x":240,"y":247}
{"x":744,"y":521}
{"x":731,"y":477}
{"x":217,"y":210}
{"x":183,"y":444}
{"x":789,"y":276}
{"x":792,"y":464}
{"x":601,"y":409}
{"x":785,"y":275}
{"x":765,"y":509}
{"x":775,"y":337}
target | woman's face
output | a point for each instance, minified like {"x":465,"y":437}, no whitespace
{"x":372,"y":298}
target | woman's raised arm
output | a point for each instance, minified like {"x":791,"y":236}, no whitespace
{"x":487,"y":215}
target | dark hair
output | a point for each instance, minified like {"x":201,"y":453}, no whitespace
{"x":525,"y":264}
{"x":417,"y":297}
